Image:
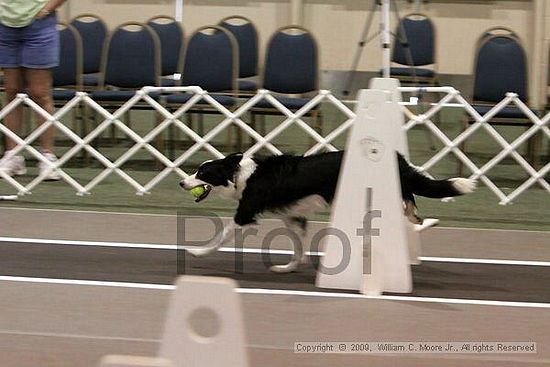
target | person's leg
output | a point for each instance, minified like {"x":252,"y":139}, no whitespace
{"x":39,"y":54}
{"x":10,"y":164}
{"x":13,"y":84}
{"x":39,"y":84}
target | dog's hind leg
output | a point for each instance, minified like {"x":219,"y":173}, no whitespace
{"x":411,"y":211}
{"x":296,"y":225}
{"x":218,"y":241}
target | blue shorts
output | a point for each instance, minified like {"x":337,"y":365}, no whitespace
{"x":35,"y":46}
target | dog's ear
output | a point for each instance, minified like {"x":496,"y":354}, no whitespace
{"x":234,"y":159}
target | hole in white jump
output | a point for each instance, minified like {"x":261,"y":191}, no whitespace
{"x":204,"y":322}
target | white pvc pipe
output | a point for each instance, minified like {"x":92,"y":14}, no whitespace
{"x":297,"y":12}
{"x":179,"y":10}
{"x":386,"y":38}
{"x":537,"y":83}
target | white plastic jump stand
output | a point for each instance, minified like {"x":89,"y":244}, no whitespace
{"x":369,"y":182}
{"x":204,"y":326}
{"x":402,"y":146}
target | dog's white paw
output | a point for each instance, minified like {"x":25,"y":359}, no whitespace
{"x":288,"y":268}
{"x":427,"y":223}
{"x":200,"y":251}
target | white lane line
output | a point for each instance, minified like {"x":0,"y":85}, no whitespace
{"x":76,"y":336}
{"x":281,"y":292}
{"x":40,"y":241}
{"x":463,"y":260}
{"x":96,"y":283}
{"x":149,"y":246}
{"x":393,"y":298}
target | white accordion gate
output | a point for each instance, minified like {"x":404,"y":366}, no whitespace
{"x":235,"y":118}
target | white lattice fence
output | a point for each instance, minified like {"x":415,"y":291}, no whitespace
{"x":235,"y":118}
{"x":452,"y":96}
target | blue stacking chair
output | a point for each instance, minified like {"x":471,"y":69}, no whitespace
{"x":131,"y":61}
{"x":247,"y":38}
{"x":67,"y":76}
{"x":291,"y":68}
{"x":501,"y":67}
{"x":211,"y":61}
{"x":93,"y":32}
{"x":414,"y":51}
{"x":171,"y":36}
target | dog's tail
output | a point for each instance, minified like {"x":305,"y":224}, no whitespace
{"x":420,"y":183}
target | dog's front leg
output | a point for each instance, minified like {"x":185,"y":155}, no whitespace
{"x":218,"y":241}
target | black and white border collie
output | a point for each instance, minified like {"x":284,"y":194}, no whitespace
{"x":296,"y":186}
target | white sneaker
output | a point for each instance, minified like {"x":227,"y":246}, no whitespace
{"x":13,"y":165}
{"x":52,"y":175}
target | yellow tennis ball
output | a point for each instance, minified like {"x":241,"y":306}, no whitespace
{"x":197,"y":191}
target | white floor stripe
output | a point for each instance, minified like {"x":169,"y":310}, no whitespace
{"x":35,"y":241}
{"x":96,"y":283}
{"x":76,"y":336}
{"x":485,"y":261}
{"x":39,"y":241}
{"x":281,"y":292}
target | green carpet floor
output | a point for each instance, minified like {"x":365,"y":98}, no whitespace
{"x":480,"y":210}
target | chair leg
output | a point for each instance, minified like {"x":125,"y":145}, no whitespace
{"x":253,"y":125}
{"x":84,"y":132}
{"x":127,"y":121}
{"x":429,"y":136}
{"x":159,"y":139}
{"x":533,"y":147}
{"x":229,"y":137}
{"x":171,"y":142}
{"x":262,"y":125}
{"x":238,"y":137}
{"x":315,"y":126}
{"x":189,"y":120}
{"x":76,"y":122}
{"x":462,"y":146}
{"x":113,"y":130}
{"x":200,"y":123}
{"x":318,"y":122}
{"x":93,"y":143}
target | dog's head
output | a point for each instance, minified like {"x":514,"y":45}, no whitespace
{"x":215,"y":176}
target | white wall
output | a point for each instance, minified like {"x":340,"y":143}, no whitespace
{"x":458,"y":25}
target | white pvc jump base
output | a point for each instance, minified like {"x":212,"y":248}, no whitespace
{"x":235,"y":118}
{"x":186,"y":341}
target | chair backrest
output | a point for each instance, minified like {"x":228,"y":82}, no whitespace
{"x":171,"y":36}
{"x":291,"y":62}
{"x":93,"y":32}
{"x":211,"y":60}
{"x":500,"y":66}
{"x":69,"y":70}
{"x":247,"y":37}
{"x":132,"y":58}
{"x":415,"y":41}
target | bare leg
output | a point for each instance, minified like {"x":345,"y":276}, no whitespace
{"x":39,"y":82}
{"x":13,"y":82}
